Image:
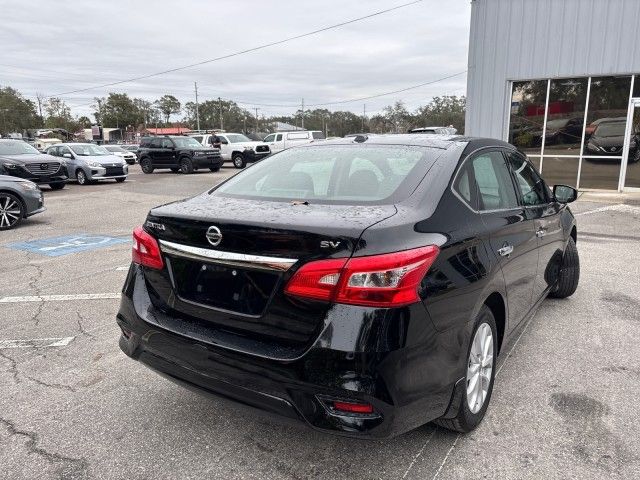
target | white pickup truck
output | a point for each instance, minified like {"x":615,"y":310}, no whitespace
{"x":281,"y":140}
{"x":234,"y":147}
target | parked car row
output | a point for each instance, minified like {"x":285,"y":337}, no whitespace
{"x":23,"y":169}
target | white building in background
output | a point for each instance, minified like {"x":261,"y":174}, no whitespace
{"x":560,"y":79}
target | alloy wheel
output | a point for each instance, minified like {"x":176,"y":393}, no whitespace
{"x":479,"y":368}
{"x":81,"y":177}
{"x":10,"y":211}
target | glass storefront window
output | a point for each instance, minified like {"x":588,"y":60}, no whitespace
{"x":565,"y":119}
{"x":560,"y":170}
{"x":599,"y":157}
{"x":608,"y":102}
{"x":528,"y":101}
{"x":604,"y":135}
{"x":600,"y":173}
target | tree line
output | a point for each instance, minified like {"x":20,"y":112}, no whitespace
{"x":119,"y":110}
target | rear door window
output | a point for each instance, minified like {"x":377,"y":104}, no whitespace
{"x":493,"y":181}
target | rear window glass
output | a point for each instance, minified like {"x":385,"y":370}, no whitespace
{"x":344,"y":174}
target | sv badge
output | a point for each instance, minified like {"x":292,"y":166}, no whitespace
{"x":329,"y":244}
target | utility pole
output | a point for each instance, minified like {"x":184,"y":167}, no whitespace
{"x":220,"y":105}
{"x":364,"y":115}
{"x":244,"y":121}
{"x":197,"y":108}
{"x":303,"y":113}
{"x":257,"y":119}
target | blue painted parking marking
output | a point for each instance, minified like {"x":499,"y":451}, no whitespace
{"x":57,"y":246}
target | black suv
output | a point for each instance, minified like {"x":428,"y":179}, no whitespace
{"x":363,"y":286}
{"x":19,"y":159}
{"x":180,"y":154}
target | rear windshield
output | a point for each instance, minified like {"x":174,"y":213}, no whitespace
{"x":339,"y":174}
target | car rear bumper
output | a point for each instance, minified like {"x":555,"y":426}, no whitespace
{"x":407,"y":384}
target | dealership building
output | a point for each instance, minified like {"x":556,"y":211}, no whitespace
{"x":560,"y":79}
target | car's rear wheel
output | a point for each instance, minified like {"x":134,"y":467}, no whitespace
{"x":81,"y":177}
{"x":238,"y":160}
{"x":569,"y":275}
{"x":480,"y":374}
{"x":56,"y":186}
{"x":146,"y":165}
{"x":11,"y":211}
{"x":186,"y":166}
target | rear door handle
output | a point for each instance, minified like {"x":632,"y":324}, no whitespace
{"x":506,"y":250}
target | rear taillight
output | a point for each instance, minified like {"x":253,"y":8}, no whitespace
{"x":388,"y":280}
{"x":351,"y":407}
{"x":146,"y":250}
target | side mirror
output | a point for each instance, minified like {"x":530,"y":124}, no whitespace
{"x":67,"y":155}
{"x":565,"y":193}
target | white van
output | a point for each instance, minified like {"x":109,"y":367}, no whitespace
{"x":281,"y":140}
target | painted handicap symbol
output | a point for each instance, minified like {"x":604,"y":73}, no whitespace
{"x":64,"y":245}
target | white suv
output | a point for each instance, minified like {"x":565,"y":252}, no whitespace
{"x":281,"y":140}
{"x":235,"y":147}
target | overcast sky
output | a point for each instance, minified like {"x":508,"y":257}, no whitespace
{"x":53,"y":47}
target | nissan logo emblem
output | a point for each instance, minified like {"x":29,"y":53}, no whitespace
{"x":44,"y":166}
{"x":214,"y":236}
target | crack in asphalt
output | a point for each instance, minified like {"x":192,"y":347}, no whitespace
{"x":81,"y":329}
{"x":17,"y":376}
{"x":70,"y":468}
{"x":57,"y":386}
{"x":13,"y":367}
{"x":33,"y":284}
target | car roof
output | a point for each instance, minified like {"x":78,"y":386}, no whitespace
{"x":415,"y":139}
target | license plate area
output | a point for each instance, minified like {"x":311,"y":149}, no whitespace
{"x":230,"y":288}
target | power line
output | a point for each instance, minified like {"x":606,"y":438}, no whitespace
{"x":335,"y":102}
{"x":241,"y":52}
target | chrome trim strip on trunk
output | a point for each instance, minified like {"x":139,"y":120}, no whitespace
{"x":256,"y":262}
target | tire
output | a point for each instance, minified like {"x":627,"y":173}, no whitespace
{"x":238,"y":160}
{"x":186,"y":166}
{"x":635,"y":158}
{"x":57,"y":186}
{"x":175,"y":169}
{"x":81,"y":177}
{"x":120,"y":180}
{"x":11,"y":211}
{"x":569,"y":275}
{"x":146,"y":165}
{"x":474,"y":403}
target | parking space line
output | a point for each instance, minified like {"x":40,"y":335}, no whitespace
{"x":36,"y":343}
{"x":620,"y":207}
{"x":59,"y":298}
{"x":120,"y":269}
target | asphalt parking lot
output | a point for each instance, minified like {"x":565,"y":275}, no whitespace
{"x":74,"y":406}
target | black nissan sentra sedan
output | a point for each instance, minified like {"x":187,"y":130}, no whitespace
{"x":364,"y":286}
